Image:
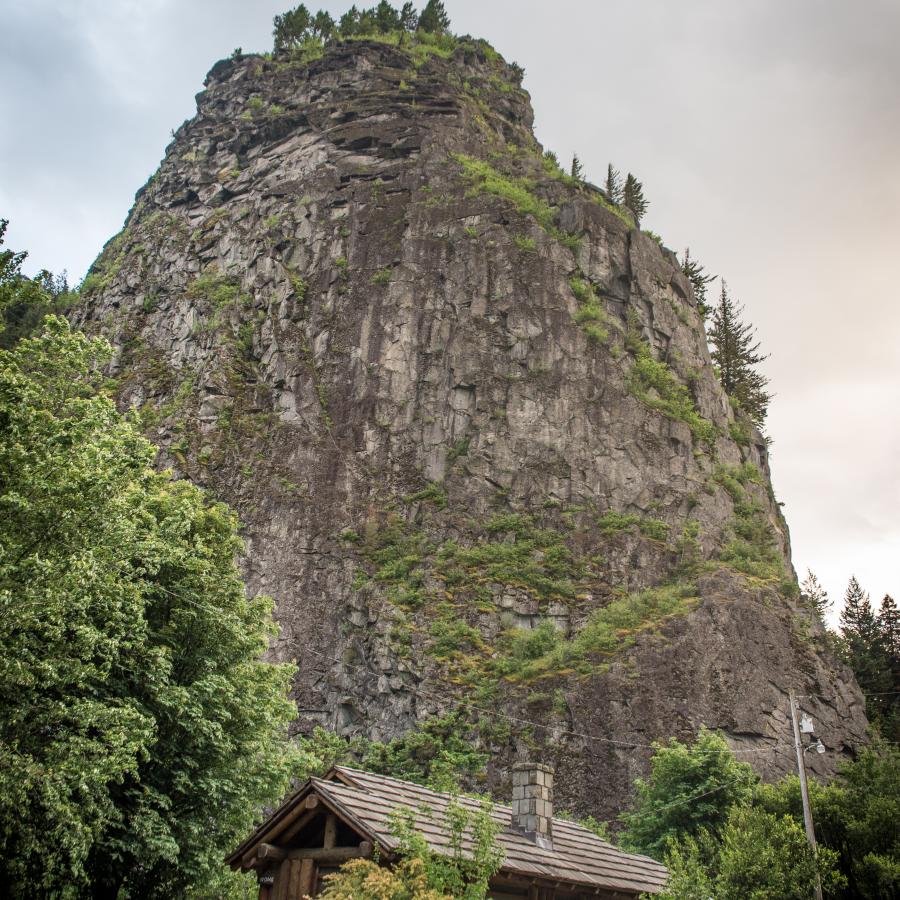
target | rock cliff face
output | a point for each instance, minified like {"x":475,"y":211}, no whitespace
{"x":467,"y":414}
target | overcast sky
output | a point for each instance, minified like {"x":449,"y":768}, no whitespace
{"x":766,"y":132}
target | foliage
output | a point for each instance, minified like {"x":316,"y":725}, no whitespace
{"x":767,"y":857}
{"x":128,"y":648}
{"x":654,"y":384}
{"x":577,"y":170}
{"x":438,"y":754}
{"x":434,"y":18}
{"x":689,"y":791}
{"x":700,"y":281}
{"x":25,"y":301}
{"x":591,"y":314}
{"x":305,"y":34}
{"x":815,"y":595}
{"x":422,"y":874}
{"x":735,"y":355}
{"x":363,"y":879}
{"x":871,"y":646}
{"x":534,"y":653}
{"x":633,"y":197}
{"x":613,"y":185}
{"x":749,"y":841}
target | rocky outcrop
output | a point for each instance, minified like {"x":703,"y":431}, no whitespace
{"x":468,"y":417}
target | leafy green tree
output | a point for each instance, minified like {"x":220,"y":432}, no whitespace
{"x":292,"y":28}
{"x":690,"y":790}
{"x":767,"y":857}
{"x":140,"y":729}
{"x":577,"y":169}
{"x":700,"y":281}
{"x":633,"y":197}
{"x":613,"y":184}
{"x":855,"y":818}
{"x":25,"y":301}
{"x":434,"y":18}
{"x":736,"y":356}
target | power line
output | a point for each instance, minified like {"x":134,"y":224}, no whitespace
{"x":443,"y":697}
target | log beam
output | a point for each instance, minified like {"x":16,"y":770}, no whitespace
{"x":330,"y":831}
{"x":333,"y":854}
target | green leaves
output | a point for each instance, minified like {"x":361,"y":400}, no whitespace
{"x":138,"y":724}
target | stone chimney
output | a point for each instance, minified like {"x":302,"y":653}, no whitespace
{"x":532,"y":802}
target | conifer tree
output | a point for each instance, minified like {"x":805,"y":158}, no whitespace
{"x":889,"y":628}
{"x":292,"y":28}
{"x":633,"y":197}
{"x":736,"y":356}
{"x":323,"y":25}
{"x":349,"y":23}
{"x":434,"y":18}
{"x":613,"y":184}
{"x":409,"y":19}
{"x":699,"y":280}
{"x":815,"y":594}
{"x":387,"y":19}
{"x":577,"y":170}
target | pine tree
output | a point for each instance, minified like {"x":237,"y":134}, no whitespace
{"x":815,"y":595}
{"x":349,"y":23}
{"x":292,"y":28}
{"x":387,"y":19}
{"x":577,"y":170}
{"x":889,"y":628}
{"x":633,"y":198}
{"x":736,"y":355}
{"x":434,"y":18}
{"x":886,"y":699}
{"x":613,"y":184}
{"x":409,"y":19}
{"x":696,"y":274}
{"x":323,"y":25}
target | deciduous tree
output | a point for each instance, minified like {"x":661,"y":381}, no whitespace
{"x":140,"y":729}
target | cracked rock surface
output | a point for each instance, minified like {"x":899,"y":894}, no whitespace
{"x":330,"y":320}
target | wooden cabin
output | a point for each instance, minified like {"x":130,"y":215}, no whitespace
{"x":345,"y":815}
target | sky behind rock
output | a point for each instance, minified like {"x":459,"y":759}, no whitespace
{"x":767,"y":135}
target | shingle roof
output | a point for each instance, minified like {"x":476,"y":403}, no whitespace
{"x":578,"y":855}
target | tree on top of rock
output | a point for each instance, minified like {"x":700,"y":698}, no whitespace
{"x":613,"y":184}
{"x":699,"y":280}
{"x":577,"y":170}
{"x":434,"y":17}
{"x":386,"y":17}
{"x":633,"y":197}
{"x":292,"y":28}
{"x":735,"y":353}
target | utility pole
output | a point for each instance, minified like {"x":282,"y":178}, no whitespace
{"x":804,"y":792}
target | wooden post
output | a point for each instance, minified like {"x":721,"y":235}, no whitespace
{"x":282,"y":880}
{"x":330,"y":831}
{"x":307,"y":878}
